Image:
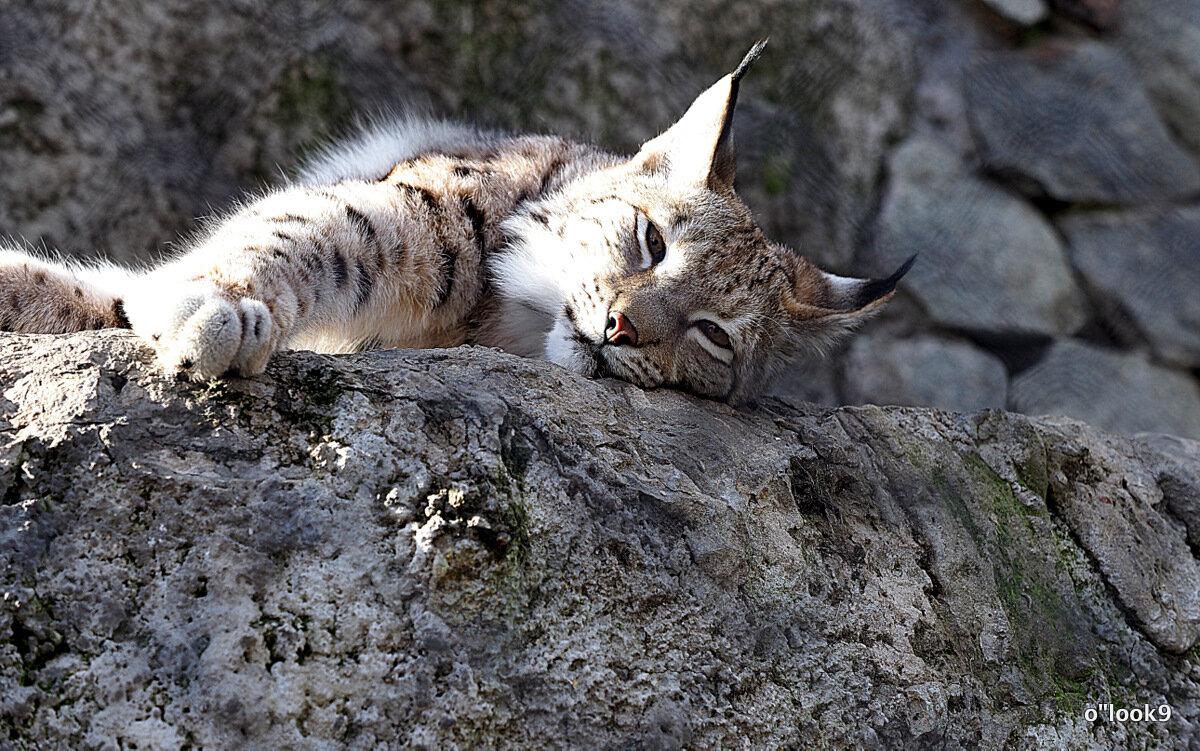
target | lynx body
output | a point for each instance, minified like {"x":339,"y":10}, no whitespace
{"x":422,"y":233}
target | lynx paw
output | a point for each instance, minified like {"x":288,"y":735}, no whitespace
{"x":200,"y":332}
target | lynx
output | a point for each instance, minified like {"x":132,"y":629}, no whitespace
{"x":423,"y":233}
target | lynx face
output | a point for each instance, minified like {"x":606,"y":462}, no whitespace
{"x":654,"y":271}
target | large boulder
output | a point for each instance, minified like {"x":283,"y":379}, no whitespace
{"x":922,"y":371}
{"x":446,"y":549}
{"x":1160,"y":38}
{"x":1143,"y":266}
{"x":1117,"y":390}
{"x":1072,"y":122}
{"x":988,"y":261}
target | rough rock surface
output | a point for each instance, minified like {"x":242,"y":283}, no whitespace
{"x":1071,"y":121}
{"x":1119,"y":391}
{"x":448,"y":549}
{"x":987,"y":260}
{"x":1146,"y":265}
{"x":1173,"y":460}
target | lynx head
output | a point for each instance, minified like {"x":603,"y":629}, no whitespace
{"x":655,"y":272}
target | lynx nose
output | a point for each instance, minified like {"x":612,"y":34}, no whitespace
{"x":620,"y":330}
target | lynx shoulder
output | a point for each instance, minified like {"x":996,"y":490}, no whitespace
{"x":421,"y":233}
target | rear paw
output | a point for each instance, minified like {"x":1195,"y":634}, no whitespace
{"x":200,"y":332}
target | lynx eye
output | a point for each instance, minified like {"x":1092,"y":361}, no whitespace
{"x":655,"y":243}
{"x":653,"y":246}
{"x":715,"y":333}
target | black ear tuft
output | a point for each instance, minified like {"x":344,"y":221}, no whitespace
{"x":874,"y":289}
{"x":736,"y":76}
{"x":750,"y":58}
{"x":724,"y":158}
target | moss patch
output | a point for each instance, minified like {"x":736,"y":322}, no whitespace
{"x":1051,"y":639}
{"x":777,"y":173}
{"x":321,"y":388}
{"x":318,"y":390}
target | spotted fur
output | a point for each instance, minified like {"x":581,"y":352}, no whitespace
{"x":427,"y":234}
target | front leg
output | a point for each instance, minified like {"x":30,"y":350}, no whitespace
{"x":243,"y":291}
{"x":398,"y":261}
{"x":277,"y":267}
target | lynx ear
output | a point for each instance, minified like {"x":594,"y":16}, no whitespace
{"x":698,"y":149}
{"x":828,"y":305}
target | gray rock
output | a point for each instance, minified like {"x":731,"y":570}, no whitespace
{"x":1146,"y":265}
{"x":1101,"y":15}
{"x":449,"y":548}
{"x":1175,"y":463}
{"x":1024,"y":12}
{"x":1116,"y":391}
{"x":988,"y":261}
{"x":813,"y":149}
{"x":1159,"y":38}
{"x":1108,"y":515}
{"x":923,"y":371}
{"x":1071,"y":121}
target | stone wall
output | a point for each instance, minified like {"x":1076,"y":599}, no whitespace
{"x":1041,"y":155}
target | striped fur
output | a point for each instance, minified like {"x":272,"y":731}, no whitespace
{"x":423,"y":233}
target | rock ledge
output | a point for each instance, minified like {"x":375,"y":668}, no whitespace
{"x":456,"y":548}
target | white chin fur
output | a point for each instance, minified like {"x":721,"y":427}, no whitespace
{"x":532,"y":269}
{"x":563,"y":350}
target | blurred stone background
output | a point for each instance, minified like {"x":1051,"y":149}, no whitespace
{"x":1041,"y":155}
